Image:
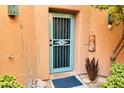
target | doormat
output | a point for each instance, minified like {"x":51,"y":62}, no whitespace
{"x":67,"y":82}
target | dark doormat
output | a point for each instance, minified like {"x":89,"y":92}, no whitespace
{"x":67,"y":82}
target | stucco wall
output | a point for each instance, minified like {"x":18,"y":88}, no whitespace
{"x":87,"y":19}
{"x":27,"y":38}
{"x":120,"y":57}
{"x":12,"y":32}
{"x":82,"y":24}
{"x":105,"y":40}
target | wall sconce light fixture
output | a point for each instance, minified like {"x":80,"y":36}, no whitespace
{"x":110,"y":21}
{"x":13,"y":10}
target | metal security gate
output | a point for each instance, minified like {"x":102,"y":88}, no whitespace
{"x":61,"y":42}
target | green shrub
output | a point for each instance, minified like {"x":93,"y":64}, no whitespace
{"x":116,"y":79}
{"x":9,"y":81}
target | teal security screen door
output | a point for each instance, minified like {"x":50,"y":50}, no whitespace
{"x":61,"y":28}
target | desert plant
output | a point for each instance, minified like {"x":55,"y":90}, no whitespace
{"x":9,"y":81}
{"x":116,"y":79}
{"x":92,"y":68}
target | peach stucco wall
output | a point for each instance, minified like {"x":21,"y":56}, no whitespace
{"x":105,"y":40}
{"x":12,"y":32}
{"x":27,"y":38}
{"x":82,"y":24}
{"x":87,"y":19}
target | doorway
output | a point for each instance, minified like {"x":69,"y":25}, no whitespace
{"x":61,"y":27}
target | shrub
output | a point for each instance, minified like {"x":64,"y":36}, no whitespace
{"x":9,"y":81}
{"x":116,"y":79}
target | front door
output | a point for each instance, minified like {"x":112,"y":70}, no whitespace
{"x":61,"y":28}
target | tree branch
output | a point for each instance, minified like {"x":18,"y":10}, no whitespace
{"x":118,"y":50}
{"x":119,"y":47}
{"x":120,"y":41}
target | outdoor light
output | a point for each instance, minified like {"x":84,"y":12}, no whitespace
{"x":110,"y":21}
{"x":13,"y":10}
{"x":109,"y":26}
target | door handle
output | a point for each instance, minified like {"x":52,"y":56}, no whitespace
{"x":50,"y":42}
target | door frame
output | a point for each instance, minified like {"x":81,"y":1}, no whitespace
{"x":72,"y":39}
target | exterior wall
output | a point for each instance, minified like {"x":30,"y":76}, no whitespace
{"x":120,"y":57}
{"x":42,"y":40}
{"x":12,"y":32}
{"x":105,"y":40}
{"x":27,"y":38}
{"x":82,"y":24}
{"x":87,"y":19}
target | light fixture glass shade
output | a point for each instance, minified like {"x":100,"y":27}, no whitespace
{"x":110,"y":27}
